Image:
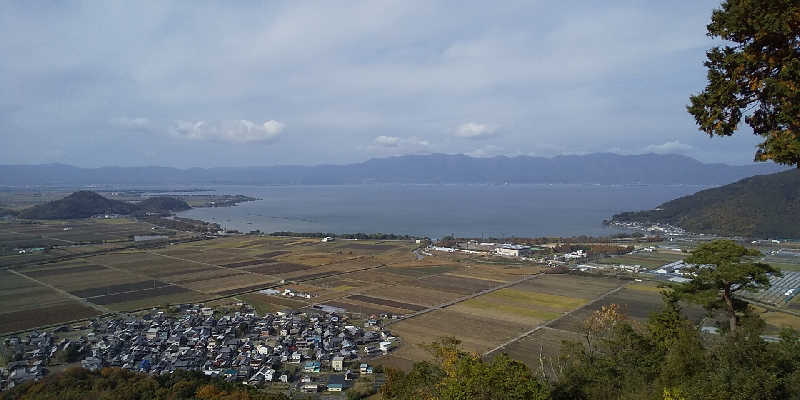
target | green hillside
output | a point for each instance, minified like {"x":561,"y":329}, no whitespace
{"x":759,"y":206}
{"x":84,"y":204}
{"x":163,"y":203}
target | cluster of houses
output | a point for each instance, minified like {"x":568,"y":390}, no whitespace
{"x":27,"y":357}
{"x":288,"y":293}
{"x":635,"y":268}
{"x":238,"y":347}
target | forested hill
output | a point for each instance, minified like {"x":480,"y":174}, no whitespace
{"x":759,"y":206}
{"x":84,"y":204}
{"x":603,"y":168}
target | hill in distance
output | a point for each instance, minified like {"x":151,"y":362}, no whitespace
{"x":766,"y":206}
{"x":602,"y":168}
{"x":84,"y":204}
{"x":163,"y":203}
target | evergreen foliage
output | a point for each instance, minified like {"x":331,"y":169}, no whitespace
{"x":756,"y":74}
{"x":120,"y":384}
{"x":760,"y":206}
{"x":84,"y":204}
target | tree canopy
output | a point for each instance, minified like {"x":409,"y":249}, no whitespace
{"x":720,"y":270}
{"x":756,"y":74}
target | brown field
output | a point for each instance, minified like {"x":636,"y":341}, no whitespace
{"x":455,"y":284}
{"x":19,"y":320}
{"x":16,"y":294}
{"x":385,"y":302}
{"x":380,"y":275}
{"x":358,"y":308}
{"x":587,"y":287}
{"x":478,"y":334}
{"x":78,"y":281}
{"x":635,"y":304}
{"x":104,"y":291}
{"x":68,"y":270}
{"x":246,"y":263}
{"x":268,"y":304}
{"x":428,"y":297}
{"x":226,"y":284}
{"x":545,"y":343}
{"x":417,"y":272}
{"x":278,"y":268}
{"x":141,"y":294}
{"x":367,"y":247}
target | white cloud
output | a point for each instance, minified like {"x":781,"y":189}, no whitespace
{"x":671,"y":147}
{"x":136,"y":123}
{"x":386,"y":141}
{"x":474,"y":130}
{"x":237,"y":131}
{"x":486,"y":151}
{"x":393,"y":145}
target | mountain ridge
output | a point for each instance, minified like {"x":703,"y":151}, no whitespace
{"x":603,"y":168}
{"x":765,"y":206}
{"x":85,"y":204}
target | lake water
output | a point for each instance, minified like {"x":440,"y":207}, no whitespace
{"x":437,"y":210}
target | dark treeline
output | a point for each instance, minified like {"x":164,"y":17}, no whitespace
{"x":120,"y":384}
{"x":183,"y":224}
{"x":360,"y":236}
{"x":595,"y":249}
{"x":452,"y":241}
{"x":665,"y":358}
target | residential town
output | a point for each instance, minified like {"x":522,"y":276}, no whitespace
{"x":308,"y":351}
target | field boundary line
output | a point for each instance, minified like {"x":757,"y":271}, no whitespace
{"x":81,"y":300}
{"x":547,"y":323}
{"x":464,"y":298}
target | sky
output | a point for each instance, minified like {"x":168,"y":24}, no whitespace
{"x":248,"y":83}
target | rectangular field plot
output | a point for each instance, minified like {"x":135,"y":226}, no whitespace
{"x":18,"y":294}
{"x":455,"y":284}
{"x":230,"y":284}
{"x":358,"y":308}
{"x":586,"y":287}
{"x":67,"y":270}
{"x":54,"y":314}
{"x":105,"y":291}
{"x":646,"y":260}
{"x":635,"y":304}
{"x":380,"y":275}
{"x":545,"y":342}
{"x":423,"y":296}
{"x":520,"y":306}
{"x":269,"y":304}
{"x":385,"y":302}
{"x":78,"y":282}
{"x":277,"y":268}
{"x":137,"y":295}
{"x":416,"y":272}
{"x":477,"y":333}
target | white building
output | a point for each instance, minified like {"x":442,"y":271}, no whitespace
{"x":338,"y":363}
{"x":513,"y":250}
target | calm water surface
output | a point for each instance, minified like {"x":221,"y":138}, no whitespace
{"x":437,"y":210}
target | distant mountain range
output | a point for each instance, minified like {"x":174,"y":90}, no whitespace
{"x":603,"y":168}
{"x":765,"y":206}
{"x":84,"y":204}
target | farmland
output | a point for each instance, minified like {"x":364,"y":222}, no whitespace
{"x":647,"y":260}
{"x":491,"y":305}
